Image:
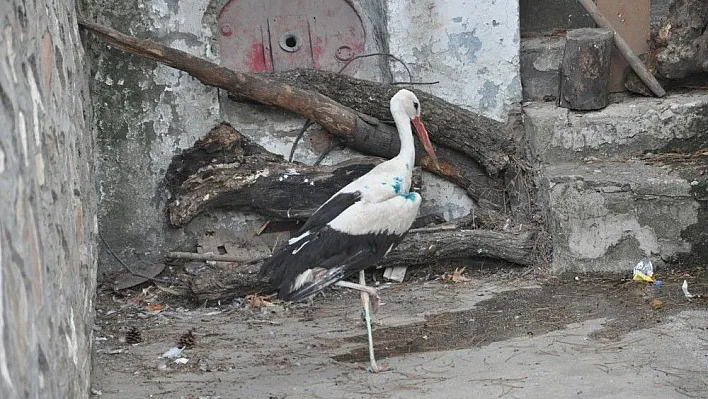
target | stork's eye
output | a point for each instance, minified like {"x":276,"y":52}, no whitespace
{"x":415,"y":105}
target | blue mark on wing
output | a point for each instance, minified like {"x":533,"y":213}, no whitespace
{"x":397,"y":183}
{"x":411,"y":197}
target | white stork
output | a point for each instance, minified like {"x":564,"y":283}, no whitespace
{"x":358,"y":226}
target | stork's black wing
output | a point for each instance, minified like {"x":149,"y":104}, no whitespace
{"x":330,"y":210}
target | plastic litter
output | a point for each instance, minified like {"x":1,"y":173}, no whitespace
{"x":644,"y":271}
{"x":658,"y":283}
{"x":687,"y":294}
{"x":173,"y":353}
{"x":181,"y":360}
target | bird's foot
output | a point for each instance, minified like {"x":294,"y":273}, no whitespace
{"x":378,"y":368}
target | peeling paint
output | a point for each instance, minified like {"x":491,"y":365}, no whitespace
{"x":464,"y":46}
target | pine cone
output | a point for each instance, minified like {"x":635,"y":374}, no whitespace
{"x":133,"y":336}
{"x":187,"y":340}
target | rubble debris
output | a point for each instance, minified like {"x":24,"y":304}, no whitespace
{"x":455,"y":277}
{"x":656,"y":304}
{"x":133,"y":336}
{"x":688,"y":295}
{"x":173,"y":353}
{"x":257,"y":301}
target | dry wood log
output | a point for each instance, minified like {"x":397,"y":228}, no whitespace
{"x":454,"y":127}
{"x":356,"y":130}
{"x":418,"y":248}
{"x":585,"y":70}
{"x":226,"y":170}
{"x":474,"y":135}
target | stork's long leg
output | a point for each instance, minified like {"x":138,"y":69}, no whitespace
{"x":371,"y":291}
{"x":365,"y":299}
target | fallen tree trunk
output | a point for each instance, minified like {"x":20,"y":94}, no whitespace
{"x":457,"y":127}
{"x":419,"y":248}
{"x":226,"y":170}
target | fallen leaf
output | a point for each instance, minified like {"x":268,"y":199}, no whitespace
{"x":455,"y":277}
{"x":656,"y":304}
{"x":257,"y":301}
{"x":155,"y":307}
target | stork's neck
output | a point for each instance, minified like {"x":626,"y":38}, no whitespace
{"x":405,"y":134}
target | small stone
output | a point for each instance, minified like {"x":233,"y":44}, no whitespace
{"x":656,"y":304}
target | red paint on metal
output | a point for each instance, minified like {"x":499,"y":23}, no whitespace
{"x":322,"y":26}
{"x":319,"y":49}
{"x":255,"y":58}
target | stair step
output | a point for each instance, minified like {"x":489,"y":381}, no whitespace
{"x":635,"y":126}
{"x":606,"y":216}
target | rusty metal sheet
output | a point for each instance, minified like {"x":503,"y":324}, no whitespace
{"x":324,"y":34}
{"x":631,"y":19}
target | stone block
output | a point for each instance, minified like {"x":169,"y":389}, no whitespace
{"x":540,"y":62}
{"x":606,"y":216}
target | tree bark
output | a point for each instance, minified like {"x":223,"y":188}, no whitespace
{"x":483,"y":140}
{"x":418,"y":248}
{"x":585,"y":70}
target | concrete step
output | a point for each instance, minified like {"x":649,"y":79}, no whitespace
{"x":634,"y":126}
{"x":606,"y":216}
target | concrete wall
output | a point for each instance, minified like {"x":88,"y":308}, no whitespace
{"x":48,"y":203}
{"x":470,"y":48}
{"x":146,"y":113}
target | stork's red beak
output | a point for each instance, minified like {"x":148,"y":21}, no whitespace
{"x":423,"y":135}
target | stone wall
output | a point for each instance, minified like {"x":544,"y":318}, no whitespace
{"x":48,"y":203}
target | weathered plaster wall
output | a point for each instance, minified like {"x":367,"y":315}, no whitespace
{"x":48,"y":203}
{"x":470,"y":47}
{"x":145,"y":114}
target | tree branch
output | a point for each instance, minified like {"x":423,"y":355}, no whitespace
{"x":449,"y":125}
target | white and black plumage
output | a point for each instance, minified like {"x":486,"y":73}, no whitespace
{"x":357,"y":226}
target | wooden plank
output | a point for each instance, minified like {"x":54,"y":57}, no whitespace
{"x":631,"y":19}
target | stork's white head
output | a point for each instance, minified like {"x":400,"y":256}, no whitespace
{"x":405,"y":102}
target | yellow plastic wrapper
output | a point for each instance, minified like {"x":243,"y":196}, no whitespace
{"x":644,"y":271}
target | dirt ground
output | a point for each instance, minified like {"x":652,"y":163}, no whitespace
{"x":515,"y":333}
